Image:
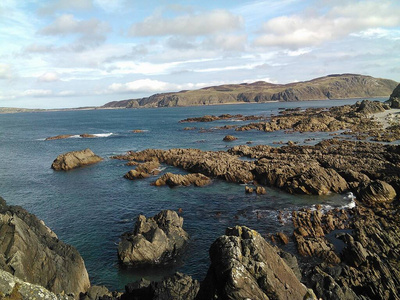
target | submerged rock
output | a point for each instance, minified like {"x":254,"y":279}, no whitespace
{"x":30,"y":251}
{"x":75,"y":159}
{"x":58,"y":137}
{"x":154,"y":241}
{"x":245,"y":266}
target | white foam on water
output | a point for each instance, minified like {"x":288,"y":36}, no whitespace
{"x":103,"y":134}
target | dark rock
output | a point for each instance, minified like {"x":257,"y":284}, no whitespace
{"x":394,"y":100}
{"x":96,"y":293}
{"x":75,"y":159}
{"x":245,"y":266}
{"x":370,"y":107}
{"x":177,"y":287}
{"x":30,"y":251}
{"x":154,"y":241}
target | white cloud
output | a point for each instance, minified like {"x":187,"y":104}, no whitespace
{"x":6,"y":71}
{"x":49,"y":77}
{"x":67,"y":24}
{"x":298,"y":31}
{"x":188,"y":25}
{"x":65,"y":5}
{"x":36,"y":93}
{"x":141,"y":85}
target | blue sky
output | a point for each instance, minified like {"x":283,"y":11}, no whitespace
{"x":71,"y":53}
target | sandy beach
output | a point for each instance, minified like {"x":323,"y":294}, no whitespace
{"x":388,"y":117}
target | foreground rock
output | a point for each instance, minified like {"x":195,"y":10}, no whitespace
{"x":75,"y":159}
{"x":154,"y":241}
{"x":245,"y":266}
{"x":30,"y":251}
{"x":172,"y":180}
{"x":394,"y":100}
{"x":12,"y":288}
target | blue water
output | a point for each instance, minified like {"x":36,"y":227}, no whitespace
{"x":92,"y":206}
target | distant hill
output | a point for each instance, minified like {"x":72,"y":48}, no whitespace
{"x":337,"y":86}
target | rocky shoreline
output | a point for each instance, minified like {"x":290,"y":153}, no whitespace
{"x":347,"y":253}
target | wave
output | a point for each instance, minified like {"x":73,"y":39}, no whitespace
{"x":326,"y":207}
{"x":103,"y":134}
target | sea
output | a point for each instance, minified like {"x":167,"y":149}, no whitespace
{"x":91,"y":207}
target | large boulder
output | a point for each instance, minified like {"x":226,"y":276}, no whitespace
{"x":245,"y":266}
{"x":377,"y":191}
{"x":154,"y":241}
{"x":75,"y":159}
{"x":394,"y":100}
{"x":30,"y":251}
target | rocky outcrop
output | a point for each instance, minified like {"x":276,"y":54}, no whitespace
{"x":394,"y":100}
{"x":342,"y":86}
{"x":351,"y":118}
{"x":154,"y":241}
{"x":208,"y":118}
{"x":372,"y":193}
{"x":59,"y":137}
{"x":229,"y":138}
{"x":177,"y":287}
{"x":172,"y":180}
{"x":75,"y":159}
{"x":245,"y":266}
{"x":13,"y":288}
{"x":214,"y":164}
{"x":30,"y":251}
{"x":143,"y":170}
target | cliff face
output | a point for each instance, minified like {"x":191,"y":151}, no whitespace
{"x":323,"y":88}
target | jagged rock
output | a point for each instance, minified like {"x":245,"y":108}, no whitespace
{"x":370,"y":107}
{"x":96,"y":292}
{"x":144,"y":170}
{"x":283,"y":237}
{"x":177,"y":287}
{"x":376,"y":192}
{"x":75,"y":159}
{"x":229,"y":138}
{"x":32,"y":252}
{"x":245,"y":266}
{"x":197,"y":179}
{"x":154,"y":241}
{"x":13,"y":288}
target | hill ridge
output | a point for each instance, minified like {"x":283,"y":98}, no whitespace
{"x":333,"y":86}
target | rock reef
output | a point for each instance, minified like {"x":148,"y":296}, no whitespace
{"x":30,"y":251}
{"x":172,"y":180}
{"x":154,"y":241}
{"x":75,"y":159}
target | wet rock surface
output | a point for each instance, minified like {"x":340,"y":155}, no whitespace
{"x":30,"y":251}
{"x":75,"y":159}
{"x":154,"y":241}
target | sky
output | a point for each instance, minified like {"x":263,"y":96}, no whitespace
{"x":74,"y":53}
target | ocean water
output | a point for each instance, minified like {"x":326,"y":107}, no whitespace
{"x":91,"y":207}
